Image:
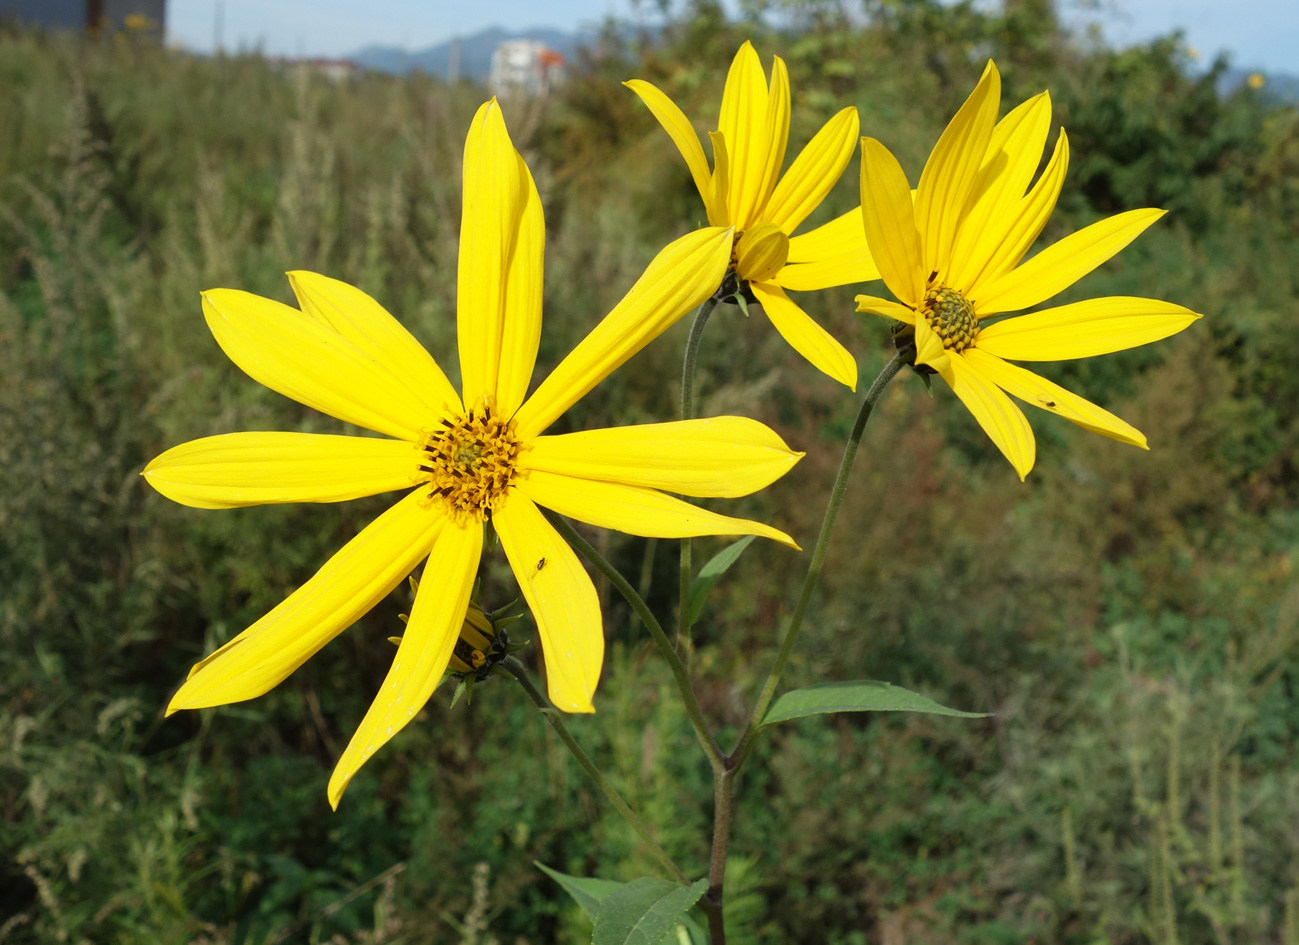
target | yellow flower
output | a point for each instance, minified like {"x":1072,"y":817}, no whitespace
{"x":470,"y":456}
{"x":742,"y":191}
{"x":952,"y":258}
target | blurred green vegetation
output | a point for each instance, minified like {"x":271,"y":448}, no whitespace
{"x":1129,"y":617}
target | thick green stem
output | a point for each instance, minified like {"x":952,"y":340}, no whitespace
{"x":520,"y":673}
{"x":722,"y":792}
{"x":679,"y":672}
{"x":689,"y":365}
{"x":818,"y":558}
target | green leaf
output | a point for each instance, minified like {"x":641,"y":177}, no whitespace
{"x":864,"y":695}
{"x":644,"y":911}
{"x":710,"y":573}
{"x":587,"y":893}
{"x":464,"y":687}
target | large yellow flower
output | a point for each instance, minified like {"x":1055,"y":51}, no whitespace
{"x":952,"y":257}
{"x":742,"y":191}
{"x":469,"y":456}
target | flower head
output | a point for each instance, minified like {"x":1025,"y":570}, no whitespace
{"x":468,"y":456}
{"x":745,"y":190}
{"x":952,"y":258}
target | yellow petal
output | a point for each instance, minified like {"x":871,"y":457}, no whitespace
{"x":1010,"y":233}
{"x":1013,"y":156}
{"x":365,"y":323}
{"x":1061,"y":265}
{"x":681,"y":132}
{"x":562,"y":599}
{"x":830,"y":255}
{"x":238,"y":469}
{"x":1004,"y":423}
{"x":422,"y":655}
{"x":1084,"y":329}
{"x":635,"y":510}
{"x":761,"y":252}
{"x":521,"y":330}
{"x":776,"y":136}
{"x":301,"y":357}
{"x":814,"y":172}
{"x":685,"y":273}
{"x":945,"y":182}
{"x":1053,"y":398}
{"x":886,"y":309}
{"x":848,"y":269}
{"x":489,"y":224}
{"x":743,"y":122}
{"x":360,"y":575}
{"x":722,"y":456}
{"x":719,"y":211}
{"x":843,"y":233}
{"x":805,"y":336}
{"x":889,"y":223}
{"x":930,"y":350}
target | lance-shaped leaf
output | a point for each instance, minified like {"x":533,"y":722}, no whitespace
{"x":864,"y":695}
{"x":589,"y":892}
{"x":644,"y":911}
{"x":710,"y":573}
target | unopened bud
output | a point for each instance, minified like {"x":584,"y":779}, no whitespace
{"x":477,"y":643}
{"x":761,"y":252}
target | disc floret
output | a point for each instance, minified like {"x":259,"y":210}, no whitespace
{"x":470,"y":463}
{"x":951,"y":316}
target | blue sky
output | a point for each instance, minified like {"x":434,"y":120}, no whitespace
{"x":1260,"y":34}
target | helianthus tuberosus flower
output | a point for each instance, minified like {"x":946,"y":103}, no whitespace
{"x":465,"y":456}
{"x":744,"y":190}
{"x":953,"y":260}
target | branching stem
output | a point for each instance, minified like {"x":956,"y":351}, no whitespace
{"x":890,"y":370}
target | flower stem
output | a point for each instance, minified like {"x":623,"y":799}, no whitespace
{"x":691,"y":361}
{"x":520,"y":673}
{"x":693,"y":712}
{"x":689,"y":365}
{"x":890,"y":370}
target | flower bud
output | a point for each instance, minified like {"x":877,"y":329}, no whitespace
{"x":761,"y":252}
{"x":477,"y":642}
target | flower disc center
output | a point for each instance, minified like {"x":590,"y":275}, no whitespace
{"x":951,"y":316}
{"x":470,"y":461}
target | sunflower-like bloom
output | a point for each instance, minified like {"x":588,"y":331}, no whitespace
{"x":953,"y":260}
{"x":470,"y":456}
{"x":742,"y":191}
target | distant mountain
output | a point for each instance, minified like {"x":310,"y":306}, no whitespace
{"x":475,"y":52}
{"x":1277,"y":86}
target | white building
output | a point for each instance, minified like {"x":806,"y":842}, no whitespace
{"x":524,"y":67}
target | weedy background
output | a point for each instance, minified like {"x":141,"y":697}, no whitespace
{"x":1130,"y":617}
